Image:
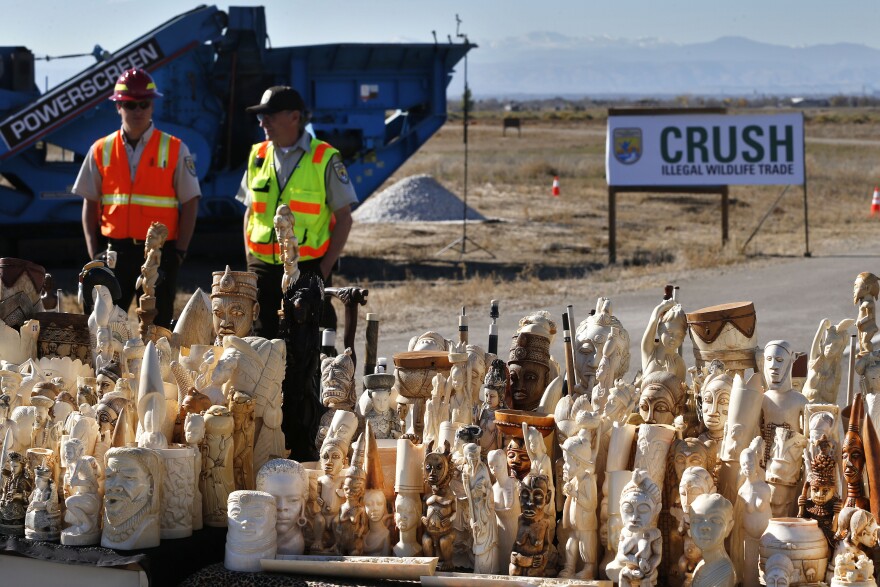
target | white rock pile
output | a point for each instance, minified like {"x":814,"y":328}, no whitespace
{"x":418,"y":198}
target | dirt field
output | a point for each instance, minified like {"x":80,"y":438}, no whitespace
{"x":548,"y":250}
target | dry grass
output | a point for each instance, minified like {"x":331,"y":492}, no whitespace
{"x":546,"y":248}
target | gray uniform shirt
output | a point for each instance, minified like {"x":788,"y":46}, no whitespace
{"x":186,"y":184}
{"x":337,"y":183}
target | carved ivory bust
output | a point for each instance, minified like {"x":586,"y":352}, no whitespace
{"x":251,"y":534}
{"x":132,"y":498}
{"x":288,"y":483}
{"x":234,"y":302}
{"x":711,"y":518}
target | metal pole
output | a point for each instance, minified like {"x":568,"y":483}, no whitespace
{"x":612,"y":228}
{"x":725,"y":214}
{"x":806,"y":216}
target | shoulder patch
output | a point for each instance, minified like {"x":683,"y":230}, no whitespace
{"x":340,"y":171}
{"x":190,"y":165}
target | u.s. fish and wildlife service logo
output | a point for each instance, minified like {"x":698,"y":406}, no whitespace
{"x":627,"y":145}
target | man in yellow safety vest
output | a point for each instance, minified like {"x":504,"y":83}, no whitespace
{"x":292,"y":167}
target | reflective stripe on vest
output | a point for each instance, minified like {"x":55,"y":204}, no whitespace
{"x":304,"y":193}
{"x":128,"y":208}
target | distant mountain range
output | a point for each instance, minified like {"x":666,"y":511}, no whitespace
{"x":549,"y":64}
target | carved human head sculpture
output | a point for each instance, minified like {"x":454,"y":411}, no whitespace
{"x":337,"y":382}
{"x":821,"y":478}
{"x":194,"y":428}
{"x":778,"y":358}
{"x":866,"y":284}
{"x":750,"y":460}
{"x":476,"y":368}
{"x":821,"y":424}
{"x":711,"y":518}
{"x":853,"y":450}
{"x":858,"y":527}
{"x":691,"y":452}
{"x":288,"y":483}
{"x":497,"y":379}
{"x":578,"y":456}
{"x":72,"y":450}
{"x":376,"y":505}
{"x":251,"y":523}
{"x":672,"y":328}
{"x":342,"y":428}
{"x":437,"y":468}
{"x":714,"y":402}
{"x":429,"y":341}
{"x":471,"y":452}
{"x":4,"y":407}
{"x":534,"y":493}
{"x":640,"y":502}
{"x":407,"y":512}
{"x":620,"y":402}
{"x":132,"y":495}
{"x":778,"y":571}
{"x":695,"y":481}
{"x":590,"y":338}
{"x":529,"y":365}
{"x":518,"y":460}
{"x":661,"y":399}
{"x":10,"y":382}
{"x":234,"y":302}
{"x":333,"y":457}
{"x":378,"y":387}
{"x":107,"y":376}
{"x":497,"y":461}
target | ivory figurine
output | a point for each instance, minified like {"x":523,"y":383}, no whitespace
{"x":440,"y":507}
{"x":784,"y":470}
{"x":824,"y":373}
{"x":381,"y":416}
{"x":857,"y":531}
{"x":819,"y":500}
{"x":178,"y":488}
{"x":437,"y":409}
{"x":491,"y":438}
{"x":251,"y":534}
{"x":337,"y":390}
{"x":43,"y":518}
{"x":194,"y":435}
{"x":505,"y":497}
{"x":866,"y":289}
{"x":713,"y":403}
{"x":329,"y":498}
{"x":284,"y":222}
{"x":151,"y":401}
{"x":17,"y":487}
{"x":529,"y":365}
{"x":377,"y":541}
{"x":241,"y":406}
{"x":652,"y":449}
{"x":753,"y":508}
{"x":590,"y":338}
{"x":694,"y":482}
{"x":668,"y":325}
{"x":852,"y":570}
{"x":287,"y":482}
{"x":711,"y":518}
{"x":407,"y":512}
{"x":579,"y":510}
{"x":460,"y":399}
{"x":613,"y":355}
{"x":234,"y":303}
{"x":45,"y":433}
{"x":478,"y":488}
{"x":476,"y":372}
{"x":84,"y":479}
{"x":132,"y":498}
{"x":352,"y":524}
{"x":641,"y":544}
{"x":532,"y":546}
{"x":217,"y":480}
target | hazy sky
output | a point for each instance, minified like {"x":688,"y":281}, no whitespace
{"x":56,"y":27}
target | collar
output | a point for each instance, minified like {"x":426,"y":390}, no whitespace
{"x":304,"y":142}
{"x":145,"y":138}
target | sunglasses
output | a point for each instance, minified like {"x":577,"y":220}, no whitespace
{"x":143,"y":105}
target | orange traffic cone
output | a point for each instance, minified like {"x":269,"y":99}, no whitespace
{"x":555,"y":190}
{"x":875,"y":201}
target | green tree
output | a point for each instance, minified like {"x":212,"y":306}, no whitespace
{"x":467,"y":100}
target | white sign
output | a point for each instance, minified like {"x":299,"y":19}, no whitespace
{"x":705,"y":149}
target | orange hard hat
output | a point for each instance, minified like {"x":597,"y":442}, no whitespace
{"x":133,"y":85}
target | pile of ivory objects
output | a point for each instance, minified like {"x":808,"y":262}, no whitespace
{"x":728,"y":472}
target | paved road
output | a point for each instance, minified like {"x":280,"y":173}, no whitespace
{"x":791,"y":297}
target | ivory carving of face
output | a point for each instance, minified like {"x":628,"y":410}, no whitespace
{"x":711,"y":518}
{"x":332,"y":460}
{"x":128,"y":489}
{"x":636,"y":511}
{"x":533,"y":494}
{"x":406,"y":514}
{"x":104,"y":384}
{"x":518,"y":460}
{"x":656,"y":405}
{"x":289,"y":492}
{"x":853,"y":455}
{"x":374,"y":502}
{"x":381,"y":400}
{"x":251,"y":516}
{"x":671,"y":333}
{"x":233,"y":315}
{"x":777,"y":365}
{"x":353,"y":488}
{"x":715,"y":405}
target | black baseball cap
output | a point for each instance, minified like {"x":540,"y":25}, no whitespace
{"x":278,"y":98}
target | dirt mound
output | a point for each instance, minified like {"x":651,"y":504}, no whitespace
{"x":418,"y":198}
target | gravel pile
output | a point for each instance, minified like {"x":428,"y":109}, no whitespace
{"x":418,"y":198}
